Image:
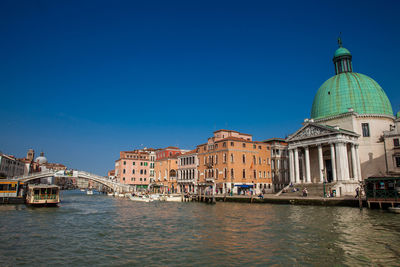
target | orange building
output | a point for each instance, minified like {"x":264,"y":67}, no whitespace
{"x":231,"y":162}
{"x":166,"y":170}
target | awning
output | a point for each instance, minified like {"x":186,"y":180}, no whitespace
{"x":244,"y":185}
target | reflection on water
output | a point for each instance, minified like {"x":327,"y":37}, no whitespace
{"x":99,"y":230}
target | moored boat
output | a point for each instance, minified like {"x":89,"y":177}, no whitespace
{"x":89,"y":192}
{"x":43,"y":195}
{"x":394,"y":209}
{"x":171,"y":198}
{"x":140,"y":198}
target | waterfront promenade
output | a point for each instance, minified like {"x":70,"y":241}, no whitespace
{"x":294,"y":200}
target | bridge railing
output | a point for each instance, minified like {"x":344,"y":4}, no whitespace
{"x":35,"y":174}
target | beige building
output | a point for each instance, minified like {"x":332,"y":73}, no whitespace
{"x":392,"y":146}
{"x":187,"y":172}
{"x":279,"y":163}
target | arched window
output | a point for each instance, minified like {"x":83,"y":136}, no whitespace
{"x":244,"y":174}
{"x":231,"y":157}
{"x":225,"y":173}
{"x":244,"y":158}
{"x":232,"y":174}
{"x":224,"y":157}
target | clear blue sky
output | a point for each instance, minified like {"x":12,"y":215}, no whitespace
{"x":82,"y":80}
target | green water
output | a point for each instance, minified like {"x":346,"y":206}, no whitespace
{"x":104,"y":231}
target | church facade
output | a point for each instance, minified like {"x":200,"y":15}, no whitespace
{"x":343,"y":141}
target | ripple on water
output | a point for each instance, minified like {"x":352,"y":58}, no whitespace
{"x":99,"y":230}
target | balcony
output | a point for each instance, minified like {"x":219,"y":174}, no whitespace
{"x":208,"y":165}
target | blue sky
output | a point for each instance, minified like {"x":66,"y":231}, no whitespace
{"x":82,"y":80}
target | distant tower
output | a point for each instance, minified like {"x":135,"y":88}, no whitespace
{"x":30,"y":155}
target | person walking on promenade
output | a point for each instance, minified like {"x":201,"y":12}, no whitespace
{"x":357,"y":192}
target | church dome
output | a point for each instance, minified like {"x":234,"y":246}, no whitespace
{"x":348,"y":89}
{"x":41,"y":159}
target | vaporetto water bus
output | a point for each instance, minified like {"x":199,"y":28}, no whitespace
{"x":43,"y":195}
{"x":11,"y":192}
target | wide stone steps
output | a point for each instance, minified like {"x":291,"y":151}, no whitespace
{"x":315,"y":190}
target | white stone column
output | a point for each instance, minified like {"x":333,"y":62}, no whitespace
{"x":307,"y":159}
{"x":333,"y":162}
{"x":354,"y":162}
{"x":358,"y":163}
{"x":296,"y":166}
{"x":291,"y":166}
{"x":320,"y":164}
{"x":342,"y":162}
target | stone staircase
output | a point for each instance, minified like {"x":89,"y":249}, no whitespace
{"x":314,"y":190}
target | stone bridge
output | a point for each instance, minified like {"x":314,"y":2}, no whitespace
{"x":115,"y":186}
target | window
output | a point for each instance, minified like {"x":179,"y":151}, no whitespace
{"x":231,"y":157}
{"x":255,"y":174}
{"x":396,"y":142}
{"x":232,"y":174}
{"x":259,"y":174}
{"x":259,"y":160}
{"x":224,"y":157}
{"x":123,"y":171}
{"x":133,"y":163}
{"x":225,"y":173}
{"x":216,"y":159}
{"x":124,"y":162}
{"x":244,"y":145}
{"x":244,"y":158}
{"x":244,"y":174}
{"x":133,"y":171}
{"x":123,"y":179}
{"x":224,"y":144}
{"x":254,"y":160}
{"x":397,"y":162}
{"x":254,"y":146}
{"x":365,"y":129}
{"x":232,"y":143}
{"x":141,"y":171}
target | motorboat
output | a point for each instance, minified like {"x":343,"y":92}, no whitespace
{"x":394,"y":209}
{"x":140,"y":198}
{"x":171,"y":198}
{"x":110,"y":194}
{"x":89,"y":192}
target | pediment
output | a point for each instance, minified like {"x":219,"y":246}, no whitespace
{"x":311,"y":131}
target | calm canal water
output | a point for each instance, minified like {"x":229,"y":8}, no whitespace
{"x":100,"y":230}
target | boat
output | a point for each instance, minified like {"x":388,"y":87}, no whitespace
{"x":89,"y":192}
{"x":171,"y":198}
{"x":394,"y":209}
{"x":82,"y":190}
{"x":11,"y":192}
{"x":43,"y":195}
{"x":140,"y":198}
{"x":110,"y":194}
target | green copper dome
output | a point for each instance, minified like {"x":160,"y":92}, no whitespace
{"x":350,"y":90}
{"x":341,"y":51}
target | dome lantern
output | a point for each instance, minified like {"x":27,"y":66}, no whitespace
{"x":342,"y":59}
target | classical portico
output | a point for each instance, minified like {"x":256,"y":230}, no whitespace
{"x":320,"y":153}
